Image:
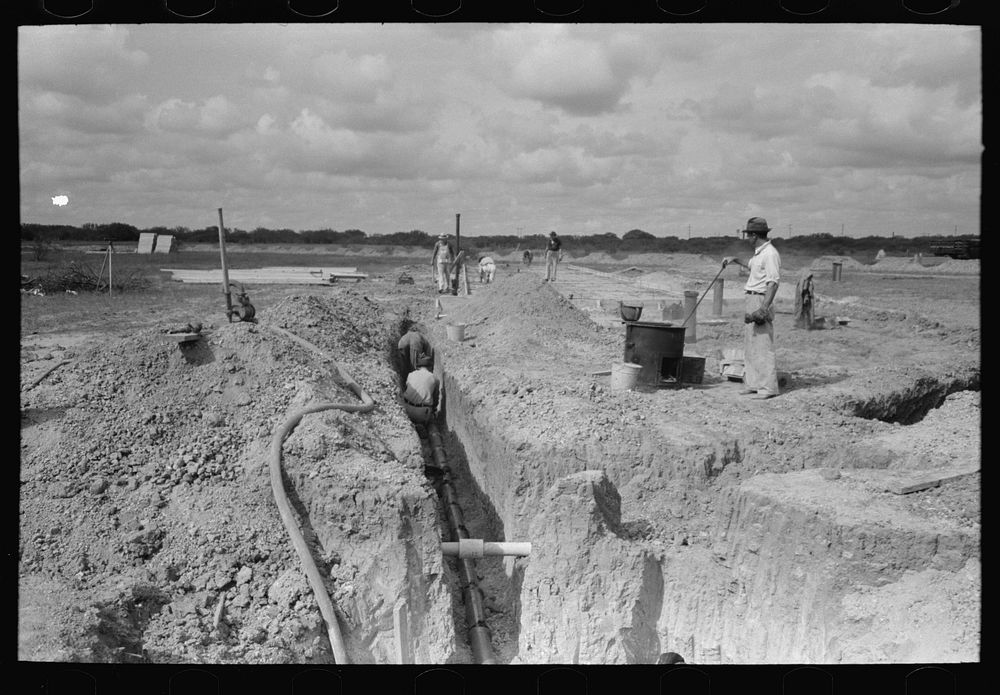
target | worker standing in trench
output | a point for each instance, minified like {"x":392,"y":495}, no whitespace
{"x":760,"y":375}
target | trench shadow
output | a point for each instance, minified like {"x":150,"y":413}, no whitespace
{"x":40,"y":416}
{"x":196,"y":353}
{"x":503,"y":576}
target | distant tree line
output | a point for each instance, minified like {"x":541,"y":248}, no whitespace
{"x":632,"y":241}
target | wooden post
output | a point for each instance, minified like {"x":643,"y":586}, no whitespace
{"x":110,"y":278}
{"x":717,"y":298}
{"x":690,"y":302}
{"x":402,"y":633}
{"x":225,"y":269}
{"x":458,"y":253}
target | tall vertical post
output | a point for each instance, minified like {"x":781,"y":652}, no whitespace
{"x":225,"y":269}
{"x":717,"y":298}
{"x":691,"y":325}
{"x":111,"y":251}
{"x":458,"y":253}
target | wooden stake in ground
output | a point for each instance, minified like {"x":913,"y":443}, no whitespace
{"x":225,"y":269}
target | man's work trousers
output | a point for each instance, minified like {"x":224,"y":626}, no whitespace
{"x":759,"y":370}
{"x":443,"y":280}
{"x":551,"y":261}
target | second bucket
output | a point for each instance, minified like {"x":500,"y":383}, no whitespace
{"x":456,"y":332}
{"x":624,"y":375}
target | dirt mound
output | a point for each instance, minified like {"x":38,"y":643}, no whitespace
{"x":148,"y":511}
{"x":826,"y":263}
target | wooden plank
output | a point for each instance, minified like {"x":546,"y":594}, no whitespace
{"x":401,"y":632}
{"x":902,"y":486}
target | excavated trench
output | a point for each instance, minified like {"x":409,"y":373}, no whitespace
{"x":672,"y":535}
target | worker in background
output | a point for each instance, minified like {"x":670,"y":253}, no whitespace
{"x":553,"y":254}
{"x":421,"y":385}
{"x":526,"y":257}
{"x":804,"y":300}
{"x":760,"y":374}
{"x":411,"y":346}
{"x":441,"y":260}
{"x":487,"y":269}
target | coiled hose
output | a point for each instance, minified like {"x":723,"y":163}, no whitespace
{"x":281,"y":498}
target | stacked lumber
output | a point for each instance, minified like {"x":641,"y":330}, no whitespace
{"x":276,"y":275}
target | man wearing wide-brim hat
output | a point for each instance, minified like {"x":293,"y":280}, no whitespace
{"x":760,"y":374}
{"x":441,"y":261}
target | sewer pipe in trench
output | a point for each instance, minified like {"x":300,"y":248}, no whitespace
{"x":475,"y":611}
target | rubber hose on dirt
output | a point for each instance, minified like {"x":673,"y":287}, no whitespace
{"x":326,"y":606}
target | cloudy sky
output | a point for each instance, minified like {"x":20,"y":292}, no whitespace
{"x":521,"y":128}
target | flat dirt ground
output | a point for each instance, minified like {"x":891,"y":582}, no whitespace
{"x":148,"y":530}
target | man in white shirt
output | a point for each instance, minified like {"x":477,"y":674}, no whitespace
{"x":421,"y":385}
{"x":760,"y":375}
{"x":487,"y":268}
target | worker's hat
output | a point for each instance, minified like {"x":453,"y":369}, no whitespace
{"x":442,"y":236}
{"x":756,"y":225}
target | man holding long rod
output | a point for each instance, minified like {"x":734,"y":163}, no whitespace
{"x":760,"y":374}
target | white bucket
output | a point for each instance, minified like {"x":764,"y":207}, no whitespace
{"x":624,"y":375}
{"x":456,"y":332}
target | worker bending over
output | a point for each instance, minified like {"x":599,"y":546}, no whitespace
{"x":421,"y":385}
{"x":411,"y":346}
{"x":487,"y":269}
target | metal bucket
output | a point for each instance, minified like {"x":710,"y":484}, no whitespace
{"x":456,"y":332}
{"x":624,"y":376}
{"x":630,"y":312}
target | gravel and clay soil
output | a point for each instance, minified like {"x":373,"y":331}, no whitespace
{"x":682,"y":519}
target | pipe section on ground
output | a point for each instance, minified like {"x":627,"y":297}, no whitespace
{"x":476,"y":547}
{"x":480,"y":640}
{"x":367,"y":404}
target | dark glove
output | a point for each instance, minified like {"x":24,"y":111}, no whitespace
{"x":759,"y":316}
{"x":748,"y":318}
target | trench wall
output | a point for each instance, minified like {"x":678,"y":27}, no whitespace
{"x":515,"y":474}
{"x":768,"y":585}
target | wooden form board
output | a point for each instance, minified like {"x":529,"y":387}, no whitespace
{"x":902,"y":484}
{"x":147,"y":241}
{"x":265,"y":276}
{"x":164,"y":243}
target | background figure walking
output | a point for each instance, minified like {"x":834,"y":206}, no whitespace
{"x":441,"y":262}
{"x":553,"y":254}
{"x":760,"y":374}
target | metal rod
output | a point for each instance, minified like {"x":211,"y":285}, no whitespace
{"x":225,"y":269}
{"x":111,"y":281}
{"x":705,"y":292}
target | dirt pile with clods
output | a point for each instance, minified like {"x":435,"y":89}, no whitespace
{"x":148,"y":527}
